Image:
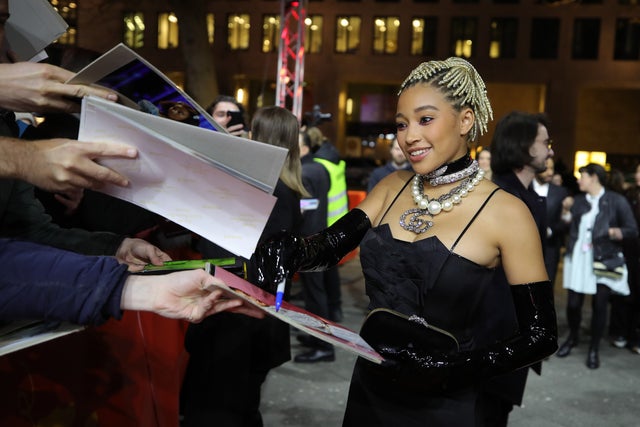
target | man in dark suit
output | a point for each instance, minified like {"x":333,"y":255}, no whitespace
{"x":519,"y":150}
{"x":556,"y":228}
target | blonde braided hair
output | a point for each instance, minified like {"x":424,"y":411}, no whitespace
{"x":459,"y":81}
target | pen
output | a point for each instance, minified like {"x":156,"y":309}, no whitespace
{"x":280,"y":294}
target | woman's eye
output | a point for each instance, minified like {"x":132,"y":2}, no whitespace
{"x":425,"y":120}
{"x":401,"y":126}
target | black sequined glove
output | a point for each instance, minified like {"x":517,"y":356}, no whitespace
{"x":536,"y":340}
{"x":280,"y":257}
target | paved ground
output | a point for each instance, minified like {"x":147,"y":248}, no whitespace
{"x":566,"y":395}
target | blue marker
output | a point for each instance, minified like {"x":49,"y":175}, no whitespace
{"x":280,"y":294}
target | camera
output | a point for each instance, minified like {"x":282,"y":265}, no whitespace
{"x":316,"y":117}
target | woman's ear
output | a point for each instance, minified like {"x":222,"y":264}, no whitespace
{"x":467,"y":119}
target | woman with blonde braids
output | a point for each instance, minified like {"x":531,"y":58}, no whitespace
{"x":430,"y":245}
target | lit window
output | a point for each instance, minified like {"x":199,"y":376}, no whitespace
{"x":134,"y":30}
{"x":313,"y":34}
{"x":347,"y":34}
{"x":167,"y":31}
{"x":68,"y":10}
{"x":423,"y":35}
{"x":238,"y":25}
{"x":211,"y":27}
{"x":463,"y":36}
{"x":270,"y":33}
{"x":503,"y":38}
{"x":385,"y":34}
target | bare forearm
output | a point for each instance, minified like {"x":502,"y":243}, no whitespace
{"x":14,"y":157}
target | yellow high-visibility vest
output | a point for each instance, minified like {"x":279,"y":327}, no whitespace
{"x":337,"y":199}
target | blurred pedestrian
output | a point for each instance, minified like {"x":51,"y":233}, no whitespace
{"x":556,"y":228}
{"x":315,"y":284}
{"x":223,"y":108}
{"x":484,"y":161}
{"x":397,"y":162}
{"x":230,"y":356}
{"x":594,"y":263}
{"x":520,"y":148}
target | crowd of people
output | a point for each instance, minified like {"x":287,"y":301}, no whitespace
{"x":469,"y":245}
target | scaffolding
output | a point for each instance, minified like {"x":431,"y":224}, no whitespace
{"x":291,"y":56}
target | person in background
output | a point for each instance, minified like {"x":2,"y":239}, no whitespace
{"x":230,"y":356}
{"x":600,"y":219}
{"x":484,"y":161}
{"x":556,"y":179}
{"x":397,"y":162}
{"x":556,"y":227}
{"x":325,"y":153}
{"x":180,"y":112}
{"x":623,"y":319}
{"x":520,"y":148}
{"x":219,"y":109}
{"x":88,"y":290}
{"x":430,"y":248}
{"x":629,"y":319}
{"x":314,"y":284}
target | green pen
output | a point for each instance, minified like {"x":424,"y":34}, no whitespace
{"x":190,"y":264}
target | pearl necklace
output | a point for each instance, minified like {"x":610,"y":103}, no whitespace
{"x":432,"y":207}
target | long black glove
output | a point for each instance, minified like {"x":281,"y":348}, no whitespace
{"x":536,"y":340}
{"x":280,"y":257}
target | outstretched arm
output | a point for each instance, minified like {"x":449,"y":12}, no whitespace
{"x":40,"y":282}
{"x":41,"y":88}
{"x":189,"y":295}
{"x":279,"y":258}
{"x":61,"y":165}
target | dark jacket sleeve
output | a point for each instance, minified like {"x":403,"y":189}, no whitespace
{"x":24,"y":217}
{"x":40,"y":282}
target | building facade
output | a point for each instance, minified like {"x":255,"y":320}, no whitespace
{"x":578,"y":61}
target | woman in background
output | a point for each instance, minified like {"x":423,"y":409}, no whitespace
{"x":484,"y":161}
{"x":231,"y":357}
{"x":600,"y":219}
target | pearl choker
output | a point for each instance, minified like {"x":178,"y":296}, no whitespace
{"x":446,"y":202}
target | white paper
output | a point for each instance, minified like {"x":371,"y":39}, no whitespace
{"x":173,"y":181}
{"x":136,"y":80}
{"x":32,"y":26}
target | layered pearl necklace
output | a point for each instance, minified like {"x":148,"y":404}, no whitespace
{"x":472,"y":175}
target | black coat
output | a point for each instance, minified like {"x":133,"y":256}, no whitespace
{"x":510,"y":387}
{"x":317,"y":182}
{"x":614,"y":211}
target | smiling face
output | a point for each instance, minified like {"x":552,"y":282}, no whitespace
{"x":429,"y":130}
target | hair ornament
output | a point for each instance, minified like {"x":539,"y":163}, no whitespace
{"x":461,"y":84}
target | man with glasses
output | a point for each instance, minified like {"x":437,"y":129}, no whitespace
{"x":520,"y":149}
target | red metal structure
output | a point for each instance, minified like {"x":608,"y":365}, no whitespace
{"x":291,"y":55}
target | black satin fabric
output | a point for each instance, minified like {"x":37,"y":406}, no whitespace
{"x":448,"y":291}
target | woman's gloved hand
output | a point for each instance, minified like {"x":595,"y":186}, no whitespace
{"x":536,"y":340}
{"x":280,"y":257}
